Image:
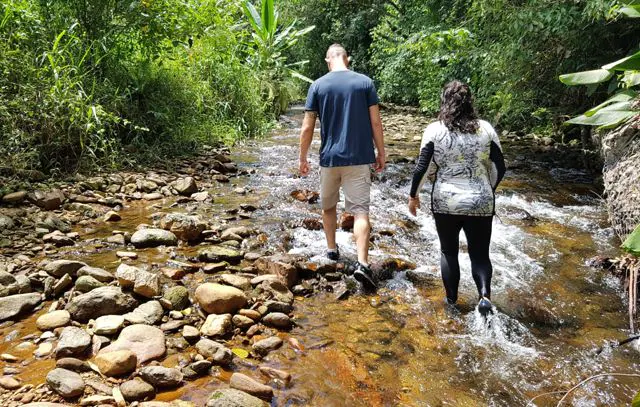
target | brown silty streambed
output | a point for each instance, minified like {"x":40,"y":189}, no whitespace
{"x":400,"y":346}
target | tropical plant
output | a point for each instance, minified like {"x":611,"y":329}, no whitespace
{"x":267,"y":46}
{"x":623,"y":77}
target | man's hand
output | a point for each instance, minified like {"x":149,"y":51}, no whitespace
{"x":414,"y":204}
{"x":380,"y":162}
{"x":304,"y":167}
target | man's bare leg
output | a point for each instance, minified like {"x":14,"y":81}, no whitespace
{"x":361,"y":231}
{"x":329,"y":223}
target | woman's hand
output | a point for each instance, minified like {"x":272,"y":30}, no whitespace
{"x":414,"y":204}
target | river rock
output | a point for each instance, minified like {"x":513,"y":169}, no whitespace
{"x":234,"y":398}
{"x":282,"y":266}
{"x":84,"y":284}
{"x":147,"y":284}
{"x":178,"y":296}
{"x":149,"y":313}
{"x":214,"y":351}
{"x":101,"y":301}
{"x":66,"y":383}
{"x":241,"y":283}
{"x":277,"y":291}
{"x":108,"y":324}
{"x":153,"y":238}
{"x":264,"y":346}
{"x":147,"y":342}
{"x":7,"y":278}
{"x":220,"y":299}
{"x":9,"y":383}
{"x":58,"y":239}
{"x":186,"y":186}
{"x":53,"y":320}
{"x":275,"y":373}
{"x":73,"y":364}
{"x":15,"y":197}
{"x":73,"y":342}
{"x":216,"y":325}
{"x":112,"y":216}
{"x":44,"y":404}
{"x":6,"y":222}
{"x":99,"y":274}
{"x":242,"y":322}
{"x":137,"y":390}
{"x":116,"y":363}
{"x":62,"y":285}
{"x":201,"y":196}
{"x":277,"y":320}
{"x":161,"y":377}
{"x":216,"y":254}
{"x":249,"y":385}
{"x":185,"y":227}
{"x":126,"y":275}
{"x":59,"y":268}
{"x":15,"y":305}
{"x":49,"y":201}
{"x":52,"y":222}
{"x":190,"y":333}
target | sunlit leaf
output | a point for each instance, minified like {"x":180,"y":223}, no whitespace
{"x":630,"y":63}
{"x":586,"y":77}
{"x":241,"y":353}
{"x":632,"y":245}
{"x":603,"y":118}
{"x":632,"y":11}
{"x":625,"y":96}
{"x":300,"y":76}
{"x":631,"y":79}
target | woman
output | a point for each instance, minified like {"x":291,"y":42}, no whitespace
{"x":465,"y":155}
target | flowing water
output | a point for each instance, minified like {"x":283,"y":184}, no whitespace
{"x":402,"y":346}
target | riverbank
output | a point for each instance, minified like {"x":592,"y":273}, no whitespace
{"x":230,"y":218}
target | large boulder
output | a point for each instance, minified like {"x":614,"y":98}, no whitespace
{"x":220,"y":299}
{"x":59,"y":268}
{"x":66,"y":383}
{"x":216,"y":254}
{"x":74,"y":342}
{"x":185,"y":227}
{"x":101,"y":301}
{"x":15,"y":305}
{"x":234,"y":398}
{"x":147,"y":342}
{"x":153,"y":238}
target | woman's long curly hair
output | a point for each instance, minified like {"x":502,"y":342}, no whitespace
{"x":456,"y":108}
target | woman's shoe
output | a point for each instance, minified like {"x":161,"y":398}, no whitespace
{"x":365,"y":276}
{"x":333,"y":254}
{"x":485,"y":307}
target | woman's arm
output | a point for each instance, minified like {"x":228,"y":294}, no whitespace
{"x":495,"y":155}
{"x":426,"y":153}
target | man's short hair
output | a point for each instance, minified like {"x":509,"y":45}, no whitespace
{"x":337,"y":50}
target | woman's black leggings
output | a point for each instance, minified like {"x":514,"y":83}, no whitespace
{"x":477,"y":229}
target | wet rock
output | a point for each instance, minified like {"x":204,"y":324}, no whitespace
{"x":53,"y":320}
{"x":116,"y":363}
{"x":234,"y":398}
{"x":275,"y":373}
{"x":216,"y":325}
{"x":242,"y":322}
{"x":312,"y":224}
{"x":215,"y":267}
{"x":282,"y":266}
{"x":6,"y":223}
{"x":241,"y":283}
{"x":52,"y":223}
{"x":97,"y":273}
{"x":44,"y":350}
{"x":220,"y":299}
{"x":73,"y":364}
{"x":153,"y":196}
{"x":66,"y":383}
{"x":147,"y":342}
{"x":305,"y":195}
{"x":277,"y":320}
{"x":250,"y":313}
{"x":153,"y":238}
{"x":174,"y":274}
{"x":73,"y":342}
{"x":346,"y":221}
{"x":137,"y":390}
{"x":112,"y":216}
{"x":186,"y":186}
{"x":84,"y":284}
{"x":101,"y":301}
{"x":422,"y":279}
{"x":108,"y":324}
{"x":249,"y":385}
{"x":178,"y":296}
{"x":185,"y":227}
{"x":145,"y":185}
{"x":216,"y":254}
{"x":14,"y":198}
{"x":149,"y":313}
{"x":127,"y":255}
{"x":277,"y":291}
{"x":214,"y":351}
{"x":15,"y":305}
{"x":59,"y":268}
{"x":58,"y":239}
{"x":264,"y":346}
{"x":49,"y":201}
{"x":62,"y":285}
{"x":190,"y":333}
{"x":161,"y":377}
{"x":126,"y":275}
{"x":143,"y":282}
{"x":9,"y":383}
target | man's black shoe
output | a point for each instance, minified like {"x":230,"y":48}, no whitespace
{"x":364,"y":275}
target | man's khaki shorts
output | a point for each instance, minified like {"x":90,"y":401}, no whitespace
{"x":356,"y":187}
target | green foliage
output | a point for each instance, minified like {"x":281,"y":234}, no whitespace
{"x":632,"y":244}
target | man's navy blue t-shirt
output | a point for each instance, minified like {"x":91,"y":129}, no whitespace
{"x":342,"y":100}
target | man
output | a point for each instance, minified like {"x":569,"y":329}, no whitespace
{"x":347,"y":104}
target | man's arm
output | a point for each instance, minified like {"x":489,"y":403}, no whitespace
{"x":306,"y":136}
{"x":378,"y":137}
